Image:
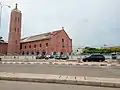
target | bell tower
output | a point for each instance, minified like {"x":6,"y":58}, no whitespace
{"x":14,"y":31}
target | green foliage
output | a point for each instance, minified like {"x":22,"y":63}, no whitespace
{"x":101,"y":50}
{"x":1,"y":40}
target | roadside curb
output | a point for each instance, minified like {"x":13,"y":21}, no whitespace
{"x":64,"y":63}
{"x":58,"y":79}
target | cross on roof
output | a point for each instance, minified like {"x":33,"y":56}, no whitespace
{"x":62,"y":28}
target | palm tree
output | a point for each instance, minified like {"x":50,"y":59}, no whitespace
{"x":1,"y":40}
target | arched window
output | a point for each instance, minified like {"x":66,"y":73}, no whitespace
{"x":17,"y":29}
{"x":15,"y":41}
{"x":25,"y":47}
{"x":34,"y":46}
{"x":62,"y":40}
{"x":29,"y":46}
{"x":15,"y":19}
{"x":18,"y":19}
{"x":46,"y":44}
{"x":63,"y":43}
{"x":40,"y":45}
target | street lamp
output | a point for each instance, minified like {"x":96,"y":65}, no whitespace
{"x":1,"y":6}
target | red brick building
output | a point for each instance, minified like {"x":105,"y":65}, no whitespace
{"x":14,"y":31}
{"x":3,"y":48}
{"x":52,"y":42}
{"x":47,"y":43}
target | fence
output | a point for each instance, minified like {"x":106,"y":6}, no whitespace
{"x":32,"y":57}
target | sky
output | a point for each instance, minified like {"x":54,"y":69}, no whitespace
{"x":88,"y":22}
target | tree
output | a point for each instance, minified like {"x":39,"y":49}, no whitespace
{"x":115,"y":49}
{"x":1,"y":40}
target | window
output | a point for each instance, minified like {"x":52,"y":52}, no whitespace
{"x":62,"y":40}
{"x":16,"y":42}
{"x":63,"y":45}
{"x":15,"y":29}
{"x":25,"y":47}
{"x":40,"y":45}
{"x":46,"y":44}
{"x":34,"y":46}
{"x":20,"y":46}
{"x":18,"y":19}
{"x":29,"y":46}
{"x":18,"y":29}
{"x":15,"y":19}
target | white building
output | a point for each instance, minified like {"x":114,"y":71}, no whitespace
{"x":77,"y":50}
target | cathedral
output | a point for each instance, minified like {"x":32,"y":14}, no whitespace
{"x":48,"y":43}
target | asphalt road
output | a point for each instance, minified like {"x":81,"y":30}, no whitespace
{"x":93,"y":71}
{"x":11,"y":85}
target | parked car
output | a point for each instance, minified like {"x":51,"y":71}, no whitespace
{"x":63,"y":57}
{"x":57,"y":57}
{"x":94,"y":57}
{"x":0,"y":59}
{"x":49,"y":56}
{"x":114,"y":56}
{"x":40,"y":57}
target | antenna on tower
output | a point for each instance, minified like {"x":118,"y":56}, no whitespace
{"x":16,"y":6}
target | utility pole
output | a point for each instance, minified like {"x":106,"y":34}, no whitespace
{"x":1,"y":7}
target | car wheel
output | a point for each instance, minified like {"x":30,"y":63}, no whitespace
{"x":99,"y":60}
{"x":84,"y":60}
{"x":87,"y":60}
{"x":102,"y":60}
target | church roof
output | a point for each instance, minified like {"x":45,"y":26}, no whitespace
{"x":38,"y":37}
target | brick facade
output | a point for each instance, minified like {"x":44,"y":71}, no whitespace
{"x":58,"y":43}
{"x":3,"y":48}
{"x":14,"y":32}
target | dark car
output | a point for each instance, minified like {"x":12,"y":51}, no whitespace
{"x":0,"y":59}
{"x":95,"y":57}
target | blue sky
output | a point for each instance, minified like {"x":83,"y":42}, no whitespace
{"x":88,"y":22}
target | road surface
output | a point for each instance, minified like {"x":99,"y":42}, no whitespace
{"x":11,"y":85}
{"x":91,"y":71}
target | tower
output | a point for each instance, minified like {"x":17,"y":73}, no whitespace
{"x":14,"y":31}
